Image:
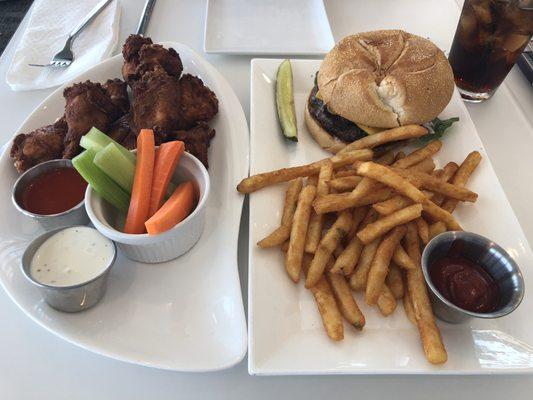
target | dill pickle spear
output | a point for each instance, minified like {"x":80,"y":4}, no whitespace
{"x":285,"y":101}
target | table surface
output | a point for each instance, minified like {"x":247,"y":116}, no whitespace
{"x":35,"y":363}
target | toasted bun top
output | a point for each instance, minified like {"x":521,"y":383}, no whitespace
{"x":386,"y":79}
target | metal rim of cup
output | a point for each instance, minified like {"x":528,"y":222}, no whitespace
{"x":35,"y":215}
{"x":51,"y":233}
{"x":490,"y":315}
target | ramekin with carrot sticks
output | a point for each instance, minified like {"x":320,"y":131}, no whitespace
{"x":166,"y":211}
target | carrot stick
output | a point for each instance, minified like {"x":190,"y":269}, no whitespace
{"x":175,"y":209}
{"x":142,"y":183}
{"x":167,"y":157}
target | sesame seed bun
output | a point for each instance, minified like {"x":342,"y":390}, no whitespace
{"x":385,"y":79}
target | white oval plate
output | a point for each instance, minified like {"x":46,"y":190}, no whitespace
{"x":184,"y":315}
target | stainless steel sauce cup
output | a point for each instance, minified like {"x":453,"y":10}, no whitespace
{"x":73,"y":298}
{"x":493,"y":258}
{"x":74,"y":216}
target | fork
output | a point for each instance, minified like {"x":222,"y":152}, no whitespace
{"x":65,"y":57}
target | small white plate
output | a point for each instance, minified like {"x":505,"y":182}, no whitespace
{"x":285,"y":331}
{"x":183,"y":315}
{"x":295,"y":27}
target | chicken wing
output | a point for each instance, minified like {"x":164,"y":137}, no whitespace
{"x":43,"y":144}
{"x":118,"y":92}
{"x":130,"y":52}
{"x":197,"y":140}
{"x":88,"y":104}
{"x":141,"y":56}
{"x":197,"y":102}
{"x":156,"y":99}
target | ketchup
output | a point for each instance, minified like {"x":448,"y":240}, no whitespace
{"x":53,"y":192}
{"x":464,"y":283}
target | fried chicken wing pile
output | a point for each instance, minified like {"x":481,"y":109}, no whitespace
{"x":175,"y":106}
{"x":166,"y":101}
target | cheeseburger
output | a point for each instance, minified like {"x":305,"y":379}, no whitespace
{"x":374,"y":81}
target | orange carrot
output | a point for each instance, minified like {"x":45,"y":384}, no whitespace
{"x":175,"y":209}
{"x":167,"y":156}
{"x":142,"y":183}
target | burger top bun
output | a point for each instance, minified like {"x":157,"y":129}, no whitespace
{"x":385,"y":79}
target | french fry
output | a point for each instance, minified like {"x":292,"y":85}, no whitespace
{"x":326,"y":247}
{"x":441,"y":215}
{"x":360,"y":274}
{"x":419,"y":155}
{"x":347,"y":260}
{"x":391,"y":135}
{"x":408,"y":307}
{"x":316,"y":221}
{"x":391,"y":178}
{"x":380,"y":264}
{"x":445,"y":175}
{"x":326,"y":304}
{"x":461,"y":177}
{"x":386,"y":301}
{"x":259,"y":181}
{"x":293,"y":258}
{"x":312,"y":180}
{"x":284,"y":246}
{"x":345,"y":183}
{"x":345,"y":301}
{"x":395,"y":281}
{"x":436,"y":229}
{"x":431,"y":183}
{"x":343,"y":201}
{"x":385,"y":224}
{"x":429,"y":332}
{"x":423,"y":229}
{"x":391,"y":205}
{"x":427,"y":165}
{"x":282,"y":233}
{"x":402,"y":259}
{"x":344,"y":173}
{"x":359,"y":215}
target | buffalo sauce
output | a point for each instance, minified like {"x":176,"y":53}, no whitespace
{"x":54,"y":192}
{"x":464,"y":282}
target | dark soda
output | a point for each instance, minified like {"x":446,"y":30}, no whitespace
{"x":490,"y":37}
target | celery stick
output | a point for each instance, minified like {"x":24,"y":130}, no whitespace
{"x":116,"y":165}
{"x":96,"y":140}
{"x":100,"y":182}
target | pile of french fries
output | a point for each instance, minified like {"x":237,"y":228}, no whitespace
{"x":382,"y":211}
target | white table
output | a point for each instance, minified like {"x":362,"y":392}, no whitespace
{"x":34,"y":363}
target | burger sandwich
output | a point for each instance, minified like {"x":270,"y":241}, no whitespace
{"x":374,"y":81}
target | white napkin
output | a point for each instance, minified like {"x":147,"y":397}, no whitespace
{"x":48,"y":27}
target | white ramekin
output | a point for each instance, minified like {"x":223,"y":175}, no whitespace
{"x":167,"y":245}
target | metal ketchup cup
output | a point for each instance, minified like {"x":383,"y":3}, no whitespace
{"x":73,"y":298}
{"x":491,"y":257}
{"x":73,"y":216}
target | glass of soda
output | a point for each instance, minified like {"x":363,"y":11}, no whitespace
{"x":490,"y":37}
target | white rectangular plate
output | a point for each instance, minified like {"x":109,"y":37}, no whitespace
{"x":285,"y":332}
{"x":267,"y":27}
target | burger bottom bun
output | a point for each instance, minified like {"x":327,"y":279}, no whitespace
{"x":321,"y":136}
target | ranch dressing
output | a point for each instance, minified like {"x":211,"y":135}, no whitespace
{"x":71,"y":256}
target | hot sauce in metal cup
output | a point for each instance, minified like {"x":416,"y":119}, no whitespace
{"x":53,"y":192}
{"x":464,"y":283}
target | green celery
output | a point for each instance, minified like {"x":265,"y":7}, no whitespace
{"x":116,"y":165}
{"x":100,"y":182}
{"x":96,"y":140}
